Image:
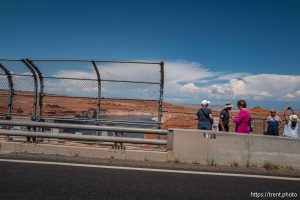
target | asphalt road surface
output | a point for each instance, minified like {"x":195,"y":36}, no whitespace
{"x":45,"y":181}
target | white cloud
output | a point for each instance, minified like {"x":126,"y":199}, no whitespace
{"x":190,"y":87}
{"x":229,"y":76}
{"x":109,"y":89}
{"x":182,"y":71}
{"x":77,"y":74}
{"x":191,"y":82}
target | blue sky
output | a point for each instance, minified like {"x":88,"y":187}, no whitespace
{"x":238,"y":38}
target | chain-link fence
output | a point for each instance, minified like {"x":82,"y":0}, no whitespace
{"x":102,"y":92}
{"x":93,"y":92}
{"x":4,"y":92}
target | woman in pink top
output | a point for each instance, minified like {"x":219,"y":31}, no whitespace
{"x":242,"y":121}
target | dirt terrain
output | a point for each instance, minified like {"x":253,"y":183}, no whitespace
{"x":174,"y":116}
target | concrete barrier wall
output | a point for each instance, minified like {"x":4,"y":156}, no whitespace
{"x":190,"y":146}
{"x":208,"y":147}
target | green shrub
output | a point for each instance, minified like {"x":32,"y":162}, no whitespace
{"x":268,"y":165}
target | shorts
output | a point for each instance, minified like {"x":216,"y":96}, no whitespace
{"x":273,"y":131}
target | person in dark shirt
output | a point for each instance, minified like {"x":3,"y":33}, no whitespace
{"x":204,"y":114}
{"x":224,"y":117}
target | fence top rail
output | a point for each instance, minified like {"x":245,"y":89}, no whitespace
{"x":83,"y":127}
{"x":1,"y":59}
{"x":85,"y":60}
{"x":104,"y":61}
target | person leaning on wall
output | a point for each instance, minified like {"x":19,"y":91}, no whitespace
{"x":291,"y":127}
{"x":224,"y":117}
{"x":274,"y":123}
{"x":243,"y":120}
{"x":205,"y":118}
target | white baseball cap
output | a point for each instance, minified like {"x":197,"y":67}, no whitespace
{"x":204,"y":102}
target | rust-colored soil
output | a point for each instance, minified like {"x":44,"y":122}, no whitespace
{"x":174,"y":116}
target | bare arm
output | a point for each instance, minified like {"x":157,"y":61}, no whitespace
{"x":279,"y":124}
{"x":286,"y":116}
{"x":211,"y":118}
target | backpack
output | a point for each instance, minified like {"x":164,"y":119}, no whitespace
{"x":251,"y":124}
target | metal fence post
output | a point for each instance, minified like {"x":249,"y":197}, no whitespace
{"x":35,"y":85}
{"x":11,"y":90}
{"x":99,"y":92}
{"x":161,"y":92}
{"x":41,"y":78}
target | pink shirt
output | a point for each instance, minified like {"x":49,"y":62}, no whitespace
{"x":242,"y":121}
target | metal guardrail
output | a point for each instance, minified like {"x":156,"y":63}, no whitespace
{"x":83,"y":127}
{"x":82,"y":137}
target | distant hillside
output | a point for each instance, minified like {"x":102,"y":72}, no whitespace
{"x":174,"y":115}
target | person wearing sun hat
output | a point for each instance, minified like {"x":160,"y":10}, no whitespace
{"x":224,"y":117}
{"x":274,"y":123}
{"x":292,"y":127}
{"x":205,"y":118}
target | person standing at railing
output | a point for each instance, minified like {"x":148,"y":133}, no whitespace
{"x":224,"y":117}
{"x":292,"y":127}
{"x":274,"y":123}
{"x":243,"y":119}
{"x":205,"y":118}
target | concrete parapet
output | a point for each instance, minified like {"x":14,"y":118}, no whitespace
{"x":280,"y":150}
{"x":224,"y":149}
{"x":228,"y":148}
{"x":190,"y":146}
